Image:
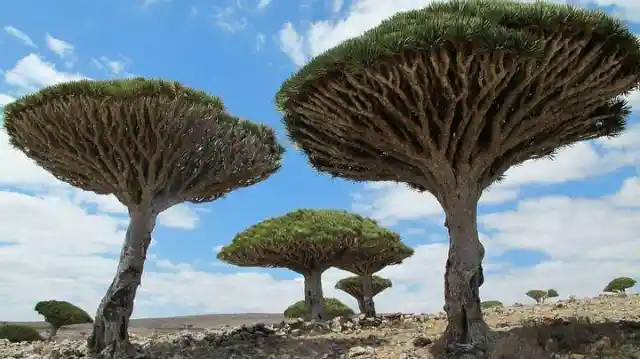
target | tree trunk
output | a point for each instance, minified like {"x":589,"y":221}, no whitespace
{"x":367,"y":296}
{"x":53,"y":330}
{"x":110,"y":337}
{"x":313,"y":297}
{"x":466,"y":333}
{"x":361,"y":305}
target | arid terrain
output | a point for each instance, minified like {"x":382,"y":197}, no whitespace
{"x":603,"y":327}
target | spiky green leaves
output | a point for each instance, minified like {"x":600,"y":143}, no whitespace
{"x":620,"y":284}
{"x":150,"y":142}
{"x":353,"y":285}
{"x":309,"y":240}
{"x":491,"y":25}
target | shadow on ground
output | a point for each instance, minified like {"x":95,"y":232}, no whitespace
{"x":548,"y":338}
{"x":269,"y":347}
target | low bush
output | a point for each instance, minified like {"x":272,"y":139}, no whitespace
{"x":19,"y":333}
{"x":332,"y":306}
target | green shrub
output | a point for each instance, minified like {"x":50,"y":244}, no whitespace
{"x":332,"y":306}
{"x":620,"y":285}
{"x":491,"y":304}
{"x":19,"y":333}
{"x":59,"y":313}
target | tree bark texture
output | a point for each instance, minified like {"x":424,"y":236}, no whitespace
{"x":53,"y":331}
{"x":367,"y":296}
{"x":313,"y":296}
{"x":361,"y":305}
{"x":466,"y":333}
{"x":110,"y":336}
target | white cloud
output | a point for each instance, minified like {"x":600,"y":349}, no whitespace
{"x":32,"y":73}
{"x":60,"y":47}
{"x":292,"y":44}
{"x":263,"y":3}
{"x":227,"y":20}
{"x":260,"y":41}
{"x":337,"y":5}
{"x":5,"y":99}
{"x":20,"y":36}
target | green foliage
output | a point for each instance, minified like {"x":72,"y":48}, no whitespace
{"x":490,"y":25}
{"x":491,"y":304}
{"x":538,"y":295}
{"x":378,"y":283}
{"x":620,"y":284}
{"x":60,"y":313}
{"x":19,"y":333}
{"x":552,"y":293}
{"x":306,"y":238}
{"x":332,"y":306}
{"x":116,"y":89}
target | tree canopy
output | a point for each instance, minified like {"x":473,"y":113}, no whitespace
{"x":59,"y":313}
{"x":353,"y":285}
{"x":306,"y":240}
{"x":620,"y":284}
{"x":466,"y":87}
{"x":142,"y":140}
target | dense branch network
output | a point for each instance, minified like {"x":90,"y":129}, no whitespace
{"x":429,"y":114}
{"x":142,"y":140}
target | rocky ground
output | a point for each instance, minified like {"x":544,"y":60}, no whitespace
{"x":604,"y":327}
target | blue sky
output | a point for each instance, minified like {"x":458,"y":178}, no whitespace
{"x":576,"y":213}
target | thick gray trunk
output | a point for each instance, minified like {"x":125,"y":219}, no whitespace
{"x":361,"y":305}
{"x":110,"y":337}
{"x":367,"y":296}
{"x":313,"y":296}
{"x":466,"y":332}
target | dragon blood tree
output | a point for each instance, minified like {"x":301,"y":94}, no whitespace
{"x":309,"y":242}
{"x":447,"y":98}
{"x":151,"y":143}
{"x":355,"y":287}
{"x":372,"y":264}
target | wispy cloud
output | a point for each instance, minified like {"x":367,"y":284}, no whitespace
{"x":263,"y":3}
{"x":20,"y":36}
{"x":226,"y":20}
{"x":260,"y":39}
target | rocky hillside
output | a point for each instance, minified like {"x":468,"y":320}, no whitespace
{"x":604,"y":327}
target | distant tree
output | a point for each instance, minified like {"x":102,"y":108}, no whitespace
{"x":60,"y":313}
{"x":620,"y":285}
{"x":152,"y":144}
{"x":552,"y":293}
{"x":332,"y":308}
{"x":371,"y":264}
{"x":447,"y":98}
{"x":354,"y":287}
{"x":538,"y":295}
{"x":491,"y":304}
{"x":309,"y":242}
{"x":19,"y":333}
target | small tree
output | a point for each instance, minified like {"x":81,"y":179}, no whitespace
{"x":552,"y":293}
{"x":332,"y":308}
{"x":60,"y":313}
{"x":538,"y":295}
{"x":447,"y":98}
{"x":354,"y":286}
{"x":620,"y":285}
{"x":151,"y":143}
{"x":491,"y":304}
{"x":372,"y":264}
{"x":309,"y":242}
